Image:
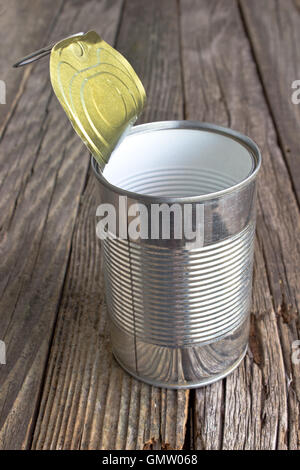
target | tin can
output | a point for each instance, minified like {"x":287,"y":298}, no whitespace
{"x":178,"y":310}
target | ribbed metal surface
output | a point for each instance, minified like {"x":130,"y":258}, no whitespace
{"x":179,"y":311}
{"x":177,"y":297}
{"x":175,"y":182}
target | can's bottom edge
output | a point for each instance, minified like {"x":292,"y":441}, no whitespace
{"x":187,"y":385}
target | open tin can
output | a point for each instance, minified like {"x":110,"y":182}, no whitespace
{"x":179,"y":311}
{"x":178,"y":308}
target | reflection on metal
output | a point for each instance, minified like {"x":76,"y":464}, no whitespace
{"x":96,"y":86}
{"x":98,"y":89}
{"x":2,"y":353}
{"x":180,"y":317}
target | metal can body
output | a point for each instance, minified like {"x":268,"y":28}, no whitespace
{"x":179,"y":312}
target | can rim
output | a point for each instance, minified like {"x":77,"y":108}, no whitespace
{"x":192,"y":125}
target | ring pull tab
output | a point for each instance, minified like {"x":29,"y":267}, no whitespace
{"x":28,"y":59}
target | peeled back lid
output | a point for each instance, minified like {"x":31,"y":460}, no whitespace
{"x":98,"y":89}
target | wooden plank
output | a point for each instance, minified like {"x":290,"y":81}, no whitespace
{"x":88,"y":402}
{"x":257,"y":407}
{"x":25,"y":27}
{"x":43,"y":172}
{"x":274,"y":33}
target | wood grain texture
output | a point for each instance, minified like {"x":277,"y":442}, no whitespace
{"x":88,"y":402}
{"x":256,"y":407}
{"x":274,"y":33}
{"x":25,"y":27}
{"x":61,"y":387}
{"x":43,"y":172}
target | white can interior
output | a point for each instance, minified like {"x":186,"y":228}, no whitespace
{"x":178,"y":163}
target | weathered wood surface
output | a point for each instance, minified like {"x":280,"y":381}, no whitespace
{"x":274,"y":35}
{"x":43,"y":170}
{"x":25,"y":27}
{"x":61,"y":388}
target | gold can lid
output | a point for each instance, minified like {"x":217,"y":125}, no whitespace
{"x":98,"y":89}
